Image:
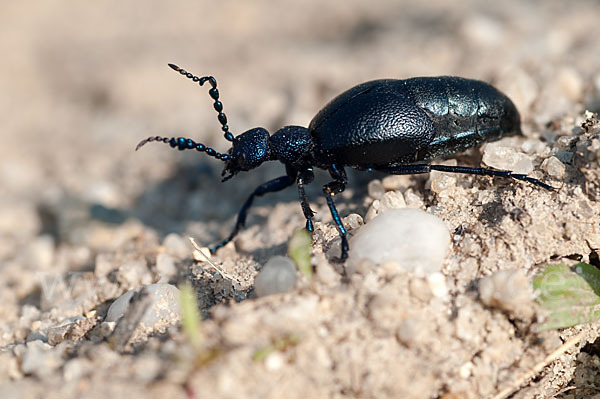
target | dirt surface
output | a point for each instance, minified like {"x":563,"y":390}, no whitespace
{"x":84,"y":218}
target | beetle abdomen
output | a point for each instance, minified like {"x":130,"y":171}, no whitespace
{"x":385,"y":122}
{"x":465,"y":113}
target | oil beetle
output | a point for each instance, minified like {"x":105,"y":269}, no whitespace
{"x":392,"y":126}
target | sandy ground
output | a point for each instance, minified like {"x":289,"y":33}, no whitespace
{"x":84,"y":218}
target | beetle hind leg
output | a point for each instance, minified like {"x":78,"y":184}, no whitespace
{"x":426,"y":168}
{"x":330,"y":189}
{"x":491,"y":172}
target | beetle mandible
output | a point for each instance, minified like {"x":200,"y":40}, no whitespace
{"x":392,"y":126}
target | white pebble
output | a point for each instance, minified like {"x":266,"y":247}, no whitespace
{"x":554,"y":167}
{"x":416,"y":240}
{"x":499,"y":156}
{"x":437,"y":284}
{"x":276,"y":276}
{"x":274,"y":361}
{"x":466,"y":370}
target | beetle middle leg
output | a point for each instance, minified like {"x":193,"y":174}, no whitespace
{"x":426,"y":168}
{"x":305,"y":177}
{"x":271,"y":186}
{"x":330,"y":189}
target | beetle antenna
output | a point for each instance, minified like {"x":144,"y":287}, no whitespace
{"x":214,"y":94}
{"x":185,"y":144}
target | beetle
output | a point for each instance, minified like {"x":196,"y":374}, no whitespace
{"x":389,"y":125}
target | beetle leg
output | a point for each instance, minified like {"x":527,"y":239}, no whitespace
{"x":306,"y":177}
{"x":271,"y":186}
{"x":490,"y":172}
{"x":425,"y":168}
{"x":330,"y":189}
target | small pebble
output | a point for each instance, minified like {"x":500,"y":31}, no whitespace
{"x":571,"y":83}
{"x":466,"y":370}
{"x":508,"y":290}
{"x":376,"y":189}
{"x":276,"y":276}
{"x":395,"y":182}
{"x":177,"y":246}
{"x":554,"y":167}
{"x":441,"y":183}
{"x":393,"y":200}
{"x":76,"y":368}
{"x":165,"y":266}
{"x":437,"y":284}
{"x":274,"y":361}
{"x":40,"y":252}
{"x":161,"y":314}
{"x":353,"y":221}
{"x":373,"y":211}
{"x":134,"y":273}
{"x":416,"y":240}
{"x":41,"y":359}
{"x":483,"y":30}
{"x":104,"y":264}
{"x":520,"y":87}
{"x":564,"y":156}
{"x":499,"y":156}
{"x":390,"y":200}
{"x":413,"y":199}
{"x":420,"y":289}
{"x":118,"y":307}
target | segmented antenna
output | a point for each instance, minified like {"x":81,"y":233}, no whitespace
{"x":185,"y":144}
{"x":214,"y":94}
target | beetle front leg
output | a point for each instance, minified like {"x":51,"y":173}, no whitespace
{"x":330,"y":189}
{"x":271,"y":186}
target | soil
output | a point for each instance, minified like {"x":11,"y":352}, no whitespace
{"x":84,"y":218}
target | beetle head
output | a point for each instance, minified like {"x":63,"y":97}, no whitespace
{"x":249,"y":150}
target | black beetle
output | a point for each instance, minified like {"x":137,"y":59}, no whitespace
{"x":392,"y":126}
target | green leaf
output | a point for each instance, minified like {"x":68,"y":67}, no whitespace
{"x":191,"y":320}
{"x":299,"y":251}
{"x":571,"y":294}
